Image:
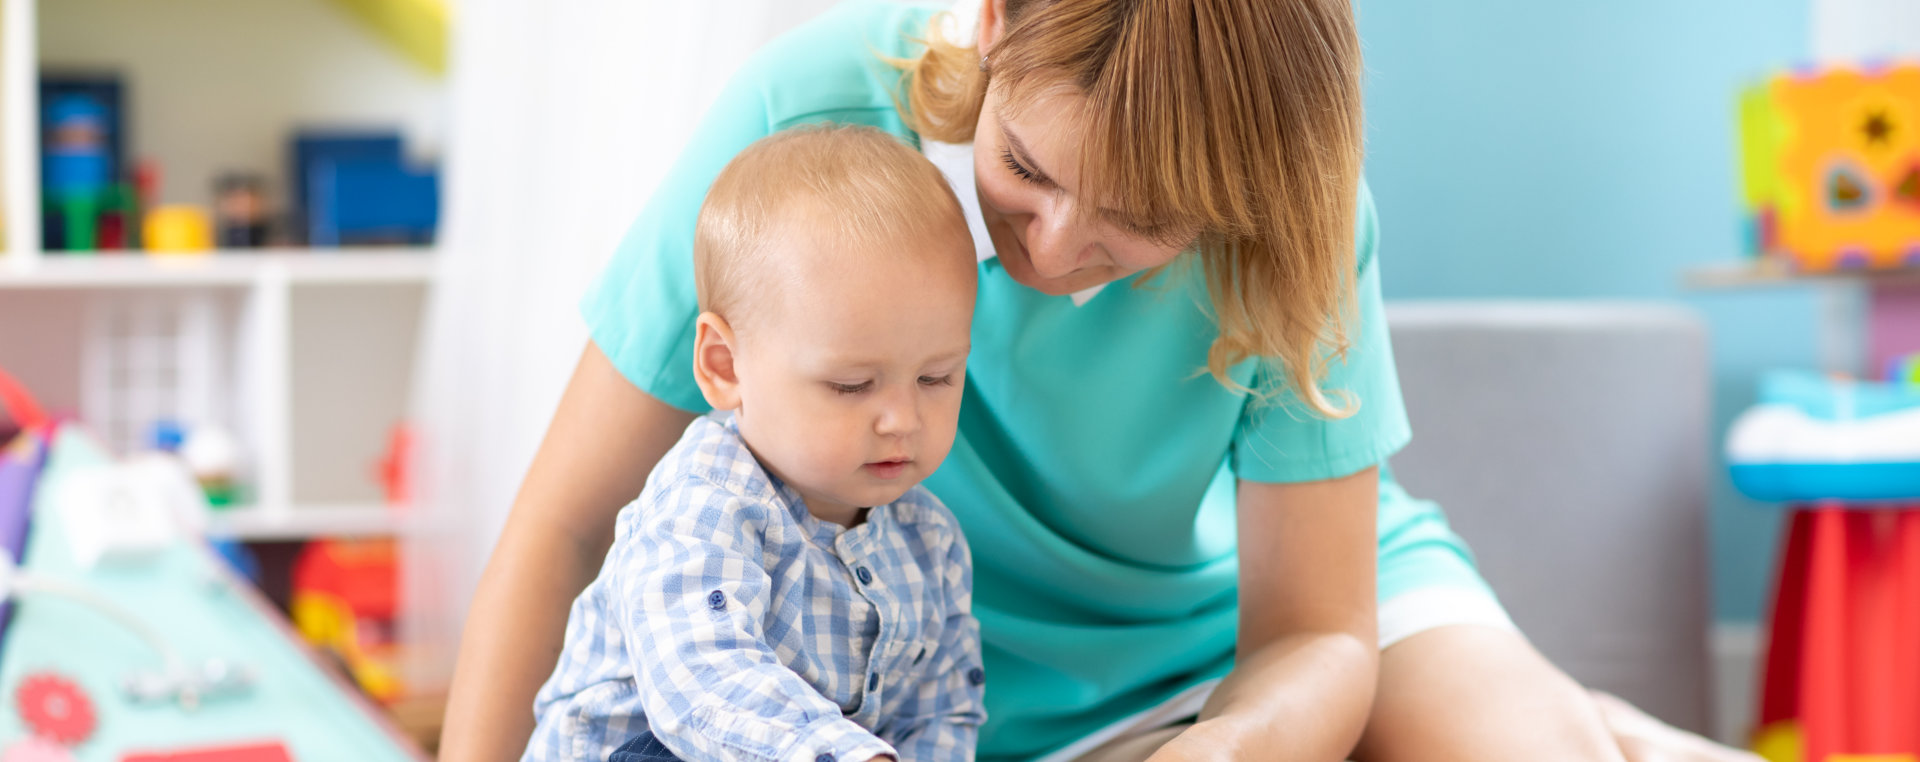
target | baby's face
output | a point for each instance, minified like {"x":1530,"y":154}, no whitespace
{"x":850,"y":371}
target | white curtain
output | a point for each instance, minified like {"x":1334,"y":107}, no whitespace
{"x":564,"y":115}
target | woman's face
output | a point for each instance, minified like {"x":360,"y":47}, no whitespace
{"x":1026,"y":170}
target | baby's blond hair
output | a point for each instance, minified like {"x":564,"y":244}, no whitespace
{"x":866,"y":188}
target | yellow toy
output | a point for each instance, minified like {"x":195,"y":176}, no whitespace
{"x":1831,"y":166}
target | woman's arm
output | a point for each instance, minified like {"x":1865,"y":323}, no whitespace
{"x":604,"y":439}
{"x":1307,"y":657}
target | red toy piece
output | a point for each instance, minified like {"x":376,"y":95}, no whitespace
{"x":54,"y":708}
{"x":269,"y":751}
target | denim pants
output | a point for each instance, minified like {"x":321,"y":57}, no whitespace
{"x":643,"y":748}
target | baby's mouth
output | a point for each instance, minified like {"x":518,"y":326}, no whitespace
{"x":888,"y":469}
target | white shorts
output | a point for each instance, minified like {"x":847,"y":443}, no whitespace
{"x":1401,"y":617}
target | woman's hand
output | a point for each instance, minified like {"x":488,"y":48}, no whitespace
{"x":1307,"y":654}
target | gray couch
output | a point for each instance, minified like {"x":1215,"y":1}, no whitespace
{"x":1569,"y":443}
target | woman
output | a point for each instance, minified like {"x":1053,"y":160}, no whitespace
{"x":1178,"y":405}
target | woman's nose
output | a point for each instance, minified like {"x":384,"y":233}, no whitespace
{"x":1056,"y":246}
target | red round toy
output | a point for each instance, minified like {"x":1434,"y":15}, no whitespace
{"x":54,"y":708}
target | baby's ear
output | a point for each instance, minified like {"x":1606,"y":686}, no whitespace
{"x":713,"y":367}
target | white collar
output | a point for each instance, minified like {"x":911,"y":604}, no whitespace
{"x":956,"y":162}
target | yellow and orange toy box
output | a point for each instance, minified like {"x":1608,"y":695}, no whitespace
{"x":1831,"y":167}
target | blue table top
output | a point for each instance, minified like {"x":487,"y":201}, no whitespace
{"x":204,"y":611}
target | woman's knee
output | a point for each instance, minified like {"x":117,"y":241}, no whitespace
{"x":1478,"y":693}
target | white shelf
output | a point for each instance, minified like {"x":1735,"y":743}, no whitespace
{"x":303,"y":522}
{"x":229,"y":269}
{"x":1767,"y":273}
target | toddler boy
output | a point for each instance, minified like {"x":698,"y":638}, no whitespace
{"x":783,"y":590}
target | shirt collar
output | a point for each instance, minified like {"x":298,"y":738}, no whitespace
{"x":956,"y":162}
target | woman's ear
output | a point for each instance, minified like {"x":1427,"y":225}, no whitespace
{"x":714,"y":350}
{"x":993,"y":23}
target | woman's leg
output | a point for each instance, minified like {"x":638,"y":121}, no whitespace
{"x":1468,"y":692}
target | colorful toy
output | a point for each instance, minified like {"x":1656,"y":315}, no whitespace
{"x":393,"y":469}
{"x":55,"y":708}
{"x":1842,"y":679}
{"x":241,"y":207}
{"x":356,"y":189}
{"x":1831,"y":165}
{"x":344,"y":600}
{"x":1815,"y":439}
{"x":178,"y":229}
{"x":86,"y":204}
{"x":1905,"y":370}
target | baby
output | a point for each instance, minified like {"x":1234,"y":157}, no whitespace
{"x":783,"y":590}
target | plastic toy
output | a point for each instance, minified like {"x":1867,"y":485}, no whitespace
{"x":355,"y":188}
{"x":125,"y":514}
{"x":393,"y":468}
{"x":213,"y":455}
{"x":1842,"y":680}
{"x":55,"y":708}
{"x":344,"y":600}
{"x":178,"y":229}
{"x":86,"y":204}
{"x":1905,"y":370}
{"x":1814,"y":439}
{"x":1831,"y":166}
{"x":241,"y":208}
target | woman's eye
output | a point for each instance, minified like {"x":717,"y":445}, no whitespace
{"x":946,"y":380}
{"x":850,"y":388}
{"x":1014,"y":165}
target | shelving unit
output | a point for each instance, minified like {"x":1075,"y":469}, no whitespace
{"x":305,"y":355}
{"x":223,"y":269}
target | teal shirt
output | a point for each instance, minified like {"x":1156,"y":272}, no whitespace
{"x":1095,"y":464}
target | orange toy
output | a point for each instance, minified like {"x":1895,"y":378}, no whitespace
{"x":1831,"y":164}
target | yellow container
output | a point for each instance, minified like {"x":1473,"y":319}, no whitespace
{"x":178,"y":230}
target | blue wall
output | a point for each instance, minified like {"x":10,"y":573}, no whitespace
{"x":1552,"y":149}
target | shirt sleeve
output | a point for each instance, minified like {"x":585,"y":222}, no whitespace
{"x":950,"y":705}
{"x":1286,"y":442}
{"x":694,"y":594}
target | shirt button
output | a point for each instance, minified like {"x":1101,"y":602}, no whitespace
{"x":921,"y":655}
{"x":827,"y":757}
{"x":866,"y":577}
{"x":717,"y":601}
{"x":976,"y":676}
{"x":873,"y":683}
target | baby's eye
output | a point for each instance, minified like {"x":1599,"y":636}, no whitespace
{"x":850,"y":388}
{"x":946,"y":380}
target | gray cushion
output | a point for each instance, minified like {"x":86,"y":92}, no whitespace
{"x":1568,"y":445}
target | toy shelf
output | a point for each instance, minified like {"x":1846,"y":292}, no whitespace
{"x":1765,"y":273}
{"x":268,"y":523}
{"x":305,"y":356}
{"x":240,"y":268}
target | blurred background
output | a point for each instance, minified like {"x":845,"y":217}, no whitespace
{"x":326,"y":254}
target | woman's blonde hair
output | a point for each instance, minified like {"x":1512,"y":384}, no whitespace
{"x":1240,"y":119}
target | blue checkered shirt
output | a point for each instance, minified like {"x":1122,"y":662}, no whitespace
{"x":736,"y":626}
